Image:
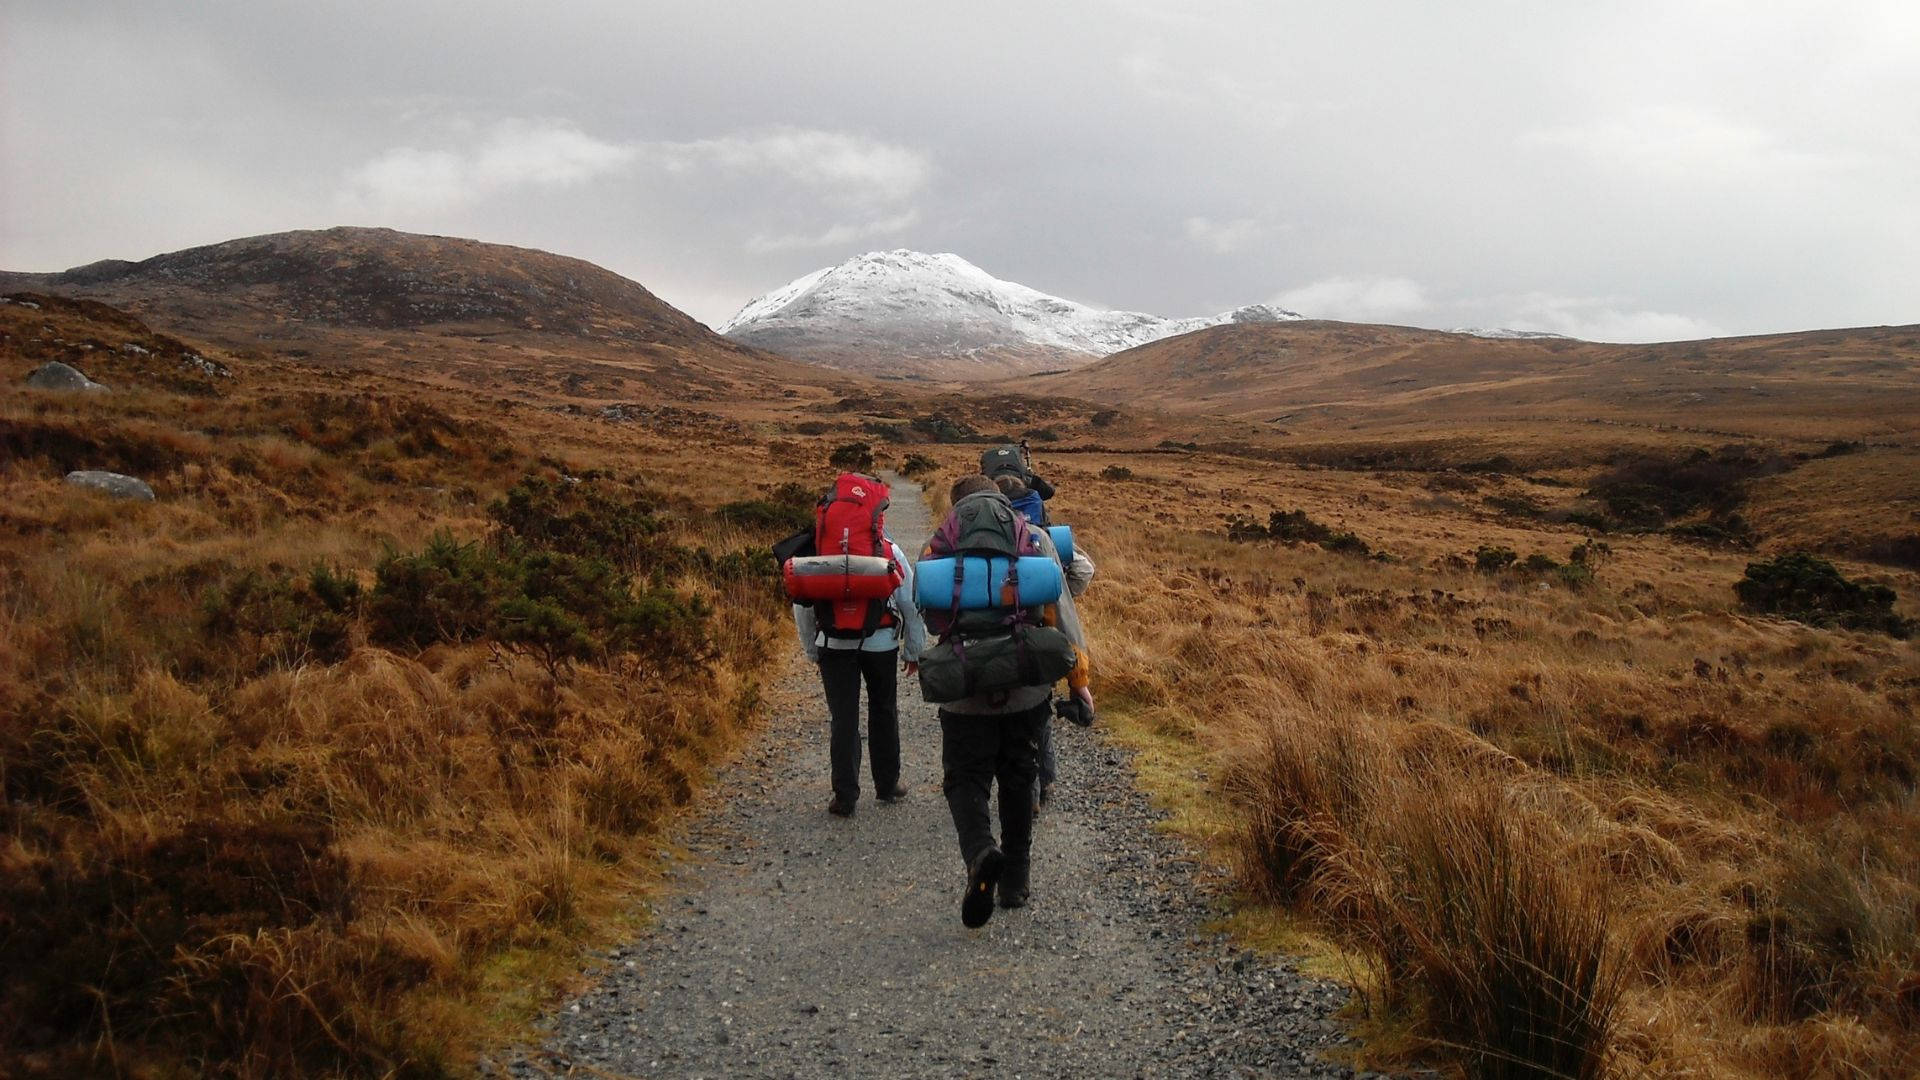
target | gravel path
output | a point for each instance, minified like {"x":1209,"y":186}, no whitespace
{"x":796,"y":944}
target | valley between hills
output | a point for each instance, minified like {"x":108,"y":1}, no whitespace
{"x":1556,"y":698}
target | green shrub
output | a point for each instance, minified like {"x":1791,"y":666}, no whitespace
{"x":1538,"y":563}
{"x":1811,"y":590}
{"x":1346,"y":543}
{"x":1647,"y":492}
{"x":447,"y":591}
{"x":1489,"y":559}
{"x":1518,"y":506}
{"x":586,"y":516}
{"x":1575,"y":575}
{"x":1592,"y":519}
{"x":284,"y":618}
{"x":766,"y":515}
{"x":856,"y":457}
{"x":1730,"y":531}
{"x":944,"y":429}
{"x":562,"y":609}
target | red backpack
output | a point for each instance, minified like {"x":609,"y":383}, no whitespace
{"x":852,"y":572}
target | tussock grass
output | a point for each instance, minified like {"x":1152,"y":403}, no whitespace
{"x":239,"y":835}
{"x":1623,"y":829}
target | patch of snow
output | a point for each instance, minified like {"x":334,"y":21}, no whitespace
{"x":1505,"y":334}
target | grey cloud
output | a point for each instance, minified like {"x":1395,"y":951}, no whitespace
{"x":1512,"y":163}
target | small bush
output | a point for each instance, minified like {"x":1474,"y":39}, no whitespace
{"x":1346,"y":543}
{"x":1538,"y":563}
{"x":1043,"y":434}
{"x":447,"y":591}
{"x":944,"y":429}
{"x":1489,"y":559}
{"x":918,"y":465}
{"x":589,"y":516}
{"x":566,"y":608}
{"x":1116,"y":472}
{"x":1647,"y":492}
{"x":1575,"y":575}
{"x":1809,"y":589}
{"x":812,"y":427}
{"x":282,"y":618}
{"x":1516,"y":506}
{"x":1104,"y":418}
{"x":1592,"y":519}
{"x":855,"y":457}
{"x":1730,"y":531}
{"x":787,"y":508}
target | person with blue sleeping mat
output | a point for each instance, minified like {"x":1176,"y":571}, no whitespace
{"x":991,"y":586}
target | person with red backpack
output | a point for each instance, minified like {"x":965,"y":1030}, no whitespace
{"x":991,"y":585}
{"x":852,"y":592}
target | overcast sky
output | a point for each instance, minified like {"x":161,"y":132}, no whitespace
{"x":1617,"y":171}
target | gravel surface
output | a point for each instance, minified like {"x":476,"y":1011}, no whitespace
{"x":797,"y":944}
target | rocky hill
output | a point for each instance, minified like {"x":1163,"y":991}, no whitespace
{"x":940,"y":316}
{"x":438,"y":308}
{"x":384,"y":279}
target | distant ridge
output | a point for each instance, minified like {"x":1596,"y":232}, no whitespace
{"x":385,"y":279}
{"x":437,"y":308}
{"x":940,"y":316}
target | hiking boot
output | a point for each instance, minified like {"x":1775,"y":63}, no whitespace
{"x":893,"y":794}
{"x":840,"y":807}
{"x":1013,"y":885}
{"x":982,"y":875}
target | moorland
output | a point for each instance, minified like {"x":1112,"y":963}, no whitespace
{"x":1560,"y":696}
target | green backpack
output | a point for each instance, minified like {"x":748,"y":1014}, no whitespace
{"x":989,"y":650}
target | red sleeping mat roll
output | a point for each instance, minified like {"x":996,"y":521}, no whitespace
{"x":841,"y":577}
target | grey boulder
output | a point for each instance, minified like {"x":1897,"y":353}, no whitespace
{"x":113,"y":483}
{"x":54,"y":375}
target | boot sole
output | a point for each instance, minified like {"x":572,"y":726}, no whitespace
{"x":977,"y":907}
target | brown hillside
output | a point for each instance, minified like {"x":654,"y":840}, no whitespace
{"x":437,"y":308}
{"x":1857,"y":383}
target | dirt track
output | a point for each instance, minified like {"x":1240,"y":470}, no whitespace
{"x":796,"y":944}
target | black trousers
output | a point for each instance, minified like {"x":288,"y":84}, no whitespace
{"x":974,"y":752}
{"x":841,"y":673}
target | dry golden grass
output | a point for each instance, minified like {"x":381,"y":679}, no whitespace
{"x":1619,"y":829}
{"x":222,"y":853}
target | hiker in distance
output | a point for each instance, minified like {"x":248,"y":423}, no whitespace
{"x":852,"y":588}
{"x":1011,"y":467}
{"x":992,"y":587}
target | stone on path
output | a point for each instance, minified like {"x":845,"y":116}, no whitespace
{"x":54,"y":375}
{"x":115,"y":484}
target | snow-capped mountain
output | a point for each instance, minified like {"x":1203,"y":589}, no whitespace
{"x":910,"y":313}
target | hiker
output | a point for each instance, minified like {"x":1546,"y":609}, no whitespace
{"x":1079,"y":570}
{"x":992,"y":674}
{"x":853,"y":609}
{"x":1015,"y":461}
